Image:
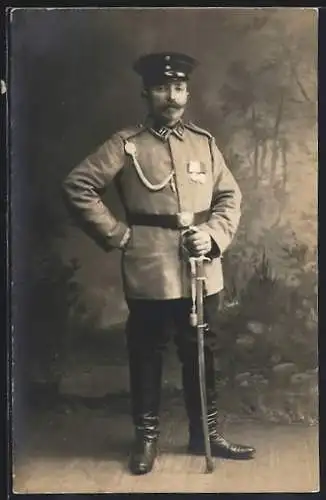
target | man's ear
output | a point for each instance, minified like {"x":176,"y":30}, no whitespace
{"x":144,"y":93}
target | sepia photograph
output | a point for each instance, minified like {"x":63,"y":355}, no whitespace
{"x":164,"y":248}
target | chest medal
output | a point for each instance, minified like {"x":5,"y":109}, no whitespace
{"x":196,"y":171}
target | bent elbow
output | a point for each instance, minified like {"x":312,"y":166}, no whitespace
{"x":66,"y":192}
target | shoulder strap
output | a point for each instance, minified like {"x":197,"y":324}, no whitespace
{"x":129,"y":133}
{"x":198,"y":130}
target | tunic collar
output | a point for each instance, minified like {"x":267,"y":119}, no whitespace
{"x":163,"y":132}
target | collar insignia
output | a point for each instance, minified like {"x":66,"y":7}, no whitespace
{"x":164,"y":132}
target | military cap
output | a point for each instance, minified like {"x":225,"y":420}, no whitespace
{"x":162,"y":66}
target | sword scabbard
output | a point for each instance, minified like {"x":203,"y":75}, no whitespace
{"x":198,"y":277}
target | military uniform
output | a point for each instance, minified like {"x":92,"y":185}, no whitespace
{"x":190,"y":171}
{"x":164,"y":176}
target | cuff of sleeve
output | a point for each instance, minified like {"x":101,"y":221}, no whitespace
{"x":215,"y":251}
{"x":220,"y":240}
{"x":118,"y":236}
{"x":125,"y":238}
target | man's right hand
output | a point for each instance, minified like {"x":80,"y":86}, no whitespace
{"x":197,"y":242}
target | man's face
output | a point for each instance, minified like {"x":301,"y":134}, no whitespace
{"x":167,"y":101}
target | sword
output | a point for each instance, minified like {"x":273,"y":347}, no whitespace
{"x":197,"y":320}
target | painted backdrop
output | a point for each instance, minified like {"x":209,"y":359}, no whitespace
{"x":71,"y":86}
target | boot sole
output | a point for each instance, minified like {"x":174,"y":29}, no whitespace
{"x":141,"y":472}
{"x":201,"y":452}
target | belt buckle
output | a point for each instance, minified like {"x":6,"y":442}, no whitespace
{"x":185,"y":219}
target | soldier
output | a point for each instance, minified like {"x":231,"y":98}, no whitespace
{"x":169,"y":174}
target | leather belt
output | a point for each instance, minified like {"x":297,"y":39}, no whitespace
{"x":180,"y":220}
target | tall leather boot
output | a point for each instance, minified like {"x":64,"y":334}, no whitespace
{"x":145,"y":385}
{"x":220,"y":447}
{"x":145,"y":448}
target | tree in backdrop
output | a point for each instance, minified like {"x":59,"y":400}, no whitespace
{"x":260,"y":103}
{"x":267,"y":108}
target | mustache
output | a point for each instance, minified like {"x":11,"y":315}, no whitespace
{"x":172,"y":105}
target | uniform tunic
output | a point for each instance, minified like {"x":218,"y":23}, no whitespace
{"x":152,"y":266}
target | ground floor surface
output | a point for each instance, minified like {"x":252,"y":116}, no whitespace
{"x":80,"y":449}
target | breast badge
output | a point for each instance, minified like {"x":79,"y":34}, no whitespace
{"x":196,"y":171}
